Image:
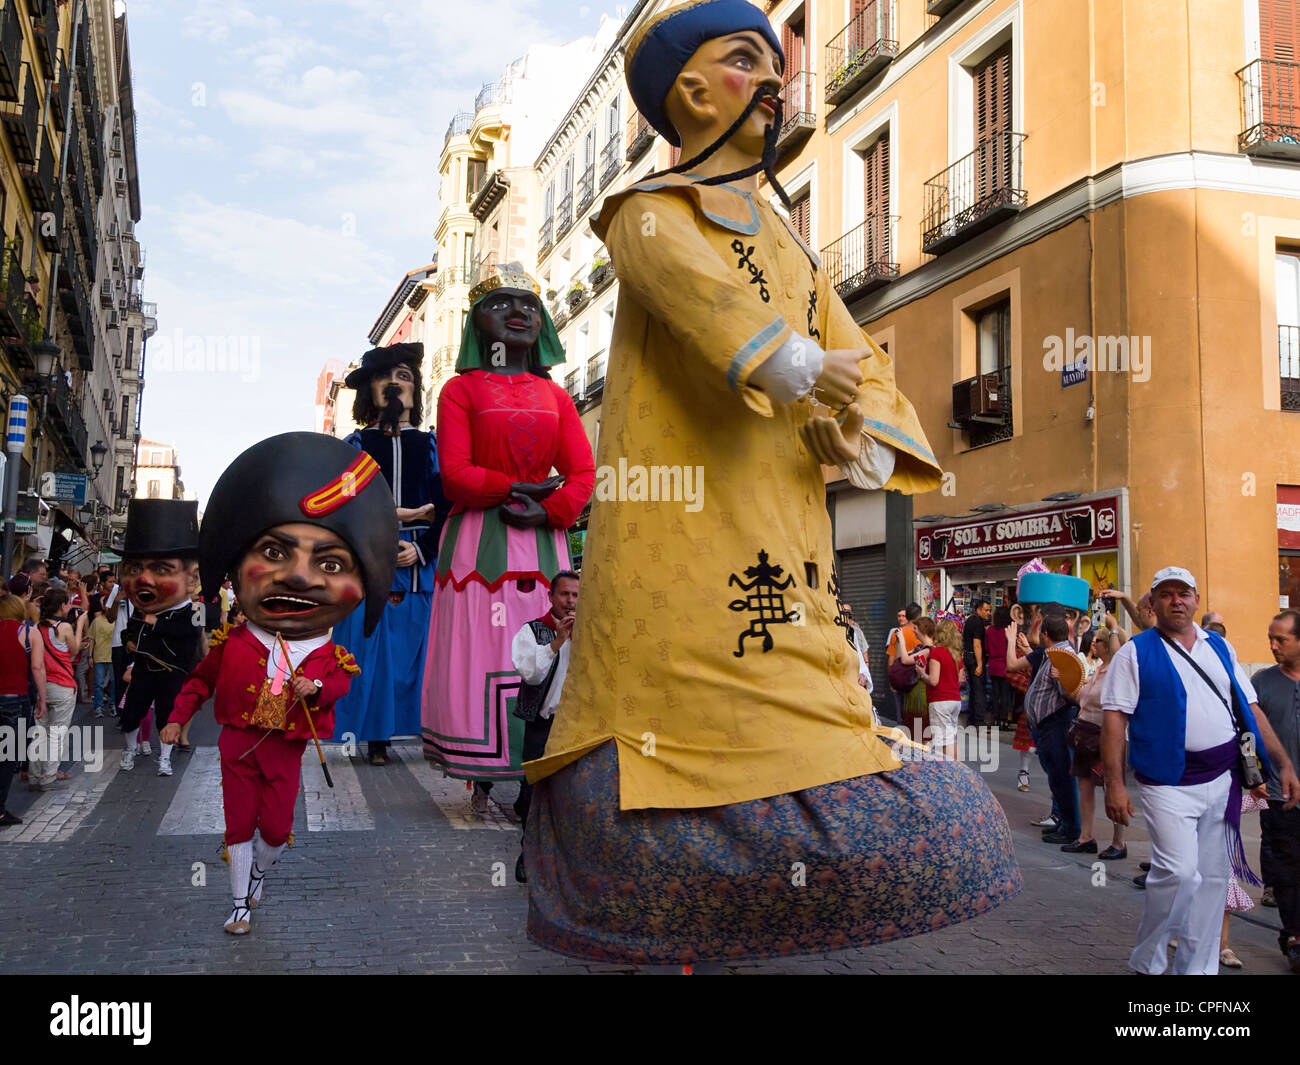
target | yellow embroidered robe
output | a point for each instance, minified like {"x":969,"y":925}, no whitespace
{"x":681,"y":595}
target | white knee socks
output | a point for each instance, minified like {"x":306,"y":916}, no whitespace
{"x":241,"y":864}
{"x":129,"y":742}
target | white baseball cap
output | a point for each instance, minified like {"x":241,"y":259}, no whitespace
{"x":1173,"y":573}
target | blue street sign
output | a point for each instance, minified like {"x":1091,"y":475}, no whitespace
{"x":1074,"y":373}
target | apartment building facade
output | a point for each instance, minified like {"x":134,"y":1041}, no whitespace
{"x":1076,"y":230}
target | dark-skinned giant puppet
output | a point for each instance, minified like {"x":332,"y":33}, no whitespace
{"x":163,"y":635}
{"x":503,"y":426}
{"x":711,"y":733}
{"x":306,"y":529}
{"x":384,"y":701}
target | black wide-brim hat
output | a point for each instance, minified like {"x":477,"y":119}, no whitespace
{"x":303,"y":477}
{"x":161,"y":528}
{"x":377,"y":360}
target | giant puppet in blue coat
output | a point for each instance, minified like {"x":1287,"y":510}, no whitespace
{"x":384,"y":701}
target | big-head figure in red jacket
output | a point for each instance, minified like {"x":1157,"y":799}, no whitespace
{"x":306,"y":530}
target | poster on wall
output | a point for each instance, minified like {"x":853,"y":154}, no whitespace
{"x":1101,"y":571}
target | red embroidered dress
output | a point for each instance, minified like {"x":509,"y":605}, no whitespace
{"x":494,"y":430}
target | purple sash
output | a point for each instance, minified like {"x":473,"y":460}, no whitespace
{"x":1200,"y":768}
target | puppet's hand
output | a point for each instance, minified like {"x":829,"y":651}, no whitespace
{"x":170,"y":733}
{"x":537,"y":491}
{"x":406,"y":555}
{"x":531,"y":515}
{"x":304,"y":688}
{"x":830,"y":442}
{"x":414,"y":513}
{"x":840,"y":379}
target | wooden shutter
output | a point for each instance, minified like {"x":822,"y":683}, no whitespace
{"x":792,"y":45}
{"x":993,"y":117}
{"x":1279,"y":47}
{"x":876,"y":232}
{"x":801,"y":218}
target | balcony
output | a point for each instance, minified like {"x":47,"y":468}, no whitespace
{"x":596,"y":373}
{"x":798,"y":111}
{"x":66,"y":420}
{"x":586,"y":187}
{"x":13,"y":301}
{"x":546,"y":237}
{"x":601,"y":277}
{"x":575,"y":384}
{"x":1270,"y":109}
{"x":1288,"y":351}
{"x":939,"y":8}
{"x":39,"y":177}
{"x":63,"y":90}
{"x":11,"y":52}
{"x":458,"y":126}
{"x":564,"y":216}
{"x":989,"y":419}
{"x":494,"y":92}
{"x":51,"y":226}
{"x":865,"y":258}
{"x":22,"y":119}
{"x":640,"y":135}
{"x":443,"y":360}
{"x":980,"y":190}
{"x":861,"y":50}
{"x":45,"y":34}
{"x":611,"y":160}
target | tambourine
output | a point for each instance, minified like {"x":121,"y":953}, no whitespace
{"x":1070,"y":668}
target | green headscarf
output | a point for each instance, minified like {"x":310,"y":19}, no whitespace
{"x":548,"y":351}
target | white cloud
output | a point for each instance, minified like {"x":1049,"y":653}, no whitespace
{"x":215,"y":20}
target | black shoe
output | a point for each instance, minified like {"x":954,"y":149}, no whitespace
{"x":1080,"y":848}
{"x":1144,"y":866}
{"x":1293,"y":955}
{"x":1057,"y":837}
{"x":1140,"y":881}
{"x":7,"y":819}
{"x":1113,"y":854}
{"x":521,"y":874}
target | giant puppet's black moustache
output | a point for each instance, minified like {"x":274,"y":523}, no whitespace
{"x":767,"y":164}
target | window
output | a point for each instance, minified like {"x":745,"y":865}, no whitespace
{"x":612,"y":119}
{"x":120,"y":486}
{"x":589,"y":149}
{"x":1287,"y":272}
{"x":876,"y":232}
{"x":548,"y":200}
{"x":126,"y":411}
{"x":475,"y":174}
{"x":566,"y":182}
{"x":129,"y":361}
{"x":155,"y":489}
{"x":1279,"y":30}
{"x":793,"y":44}
{"x":993,"y":356}
{"x":801,"y":217}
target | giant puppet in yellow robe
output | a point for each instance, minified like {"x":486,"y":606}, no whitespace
{"x":711,"y":709}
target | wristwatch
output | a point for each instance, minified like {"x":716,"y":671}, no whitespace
{"x":318,"y":684}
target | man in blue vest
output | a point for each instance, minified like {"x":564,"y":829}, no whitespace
{"x":1191,"y":711}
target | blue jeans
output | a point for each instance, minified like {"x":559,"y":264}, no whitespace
{"x":1054,"y":756}
{"x":104,"y":689}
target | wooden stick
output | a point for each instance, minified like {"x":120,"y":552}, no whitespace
{"x":310,"y":724}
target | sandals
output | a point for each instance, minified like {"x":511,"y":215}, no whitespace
{"x":1022,"y":780}
{"x":254,"y":886}
{"x":1226,"y":957}
{"x":238,"y":924}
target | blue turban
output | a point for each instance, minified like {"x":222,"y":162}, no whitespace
{"x":668,"y":41}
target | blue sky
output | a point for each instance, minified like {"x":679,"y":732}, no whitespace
{"x":288,"y":172}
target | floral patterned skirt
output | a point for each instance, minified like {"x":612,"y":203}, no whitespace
{"x":842,"y":865}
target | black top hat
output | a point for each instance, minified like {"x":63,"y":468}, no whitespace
{"x":377,"y":360}
{"x":303,"y":477}
{"x":161,"y":528}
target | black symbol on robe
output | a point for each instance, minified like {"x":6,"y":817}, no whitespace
{"x":841,"y":614}
{"x":764,"y":600}
{"x":813,"y":331}
{"x":756,"y":275}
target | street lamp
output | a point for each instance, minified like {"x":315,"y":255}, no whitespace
{"x":97,"y":454}
{"x":44,"y":353}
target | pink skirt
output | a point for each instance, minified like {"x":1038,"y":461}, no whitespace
{"x":492,"y":580}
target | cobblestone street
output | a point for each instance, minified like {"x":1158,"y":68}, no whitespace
{"x":391,"y":873}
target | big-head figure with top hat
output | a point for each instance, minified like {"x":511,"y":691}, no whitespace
{"x":305,"y":527}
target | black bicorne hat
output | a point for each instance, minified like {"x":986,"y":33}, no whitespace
{"x":377,"y":360}
{"x":303,"y":477}
{"x":161,"y":528}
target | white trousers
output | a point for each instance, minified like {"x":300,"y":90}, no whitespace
{"x":1187,"y":887}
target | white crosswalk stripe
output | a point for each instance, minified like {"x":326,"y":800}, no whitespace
{"x":195,"y":809}
{"x":341,"y":808}
{"x":56,"y":815}
{"x":451,"y":797}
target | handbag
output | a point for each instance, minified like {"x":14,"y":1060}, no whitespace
{"x":1083,"y":737}
{"x":902,"y":677}
{"x":1252,"y":774}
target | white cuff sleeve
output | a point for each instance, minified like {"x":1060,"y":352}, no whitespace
{"x":791,"y":371}
{"x":874,"y":465}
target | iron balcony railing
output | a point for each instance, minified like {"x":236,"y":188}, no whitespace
{"x":981,"y":189}
{"x":861,"y":50}
{"x":45,"y":34}
{"x":575,"y":382}
{"x":493,"y":92}
{"x":798,"y":110}
{"x":640,"y":135}
{"x":981,"y":433}
{"x":546,"y":236}
{"x":611,"y":159}
{"x":865,"y":258}
{"x":38,"y":177}
{"x":1270,"y":109}
{"x":50,"y":226}
{"x":458,"y":125}
{"x":61,"y":93}
{"x":1288,"y":351}
{"x":564,"y":215}
{"x":22,"y":119}
{"x":587,"y":187}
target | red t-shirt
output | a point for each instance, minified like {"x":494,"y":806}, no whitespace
{"x":13,"y":659}
{"x":996,"y":642}
{"x":948,"y":689}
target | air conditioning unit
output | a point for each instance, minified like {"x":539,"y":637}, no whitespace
{"x":977,"y":400}
{"x":116,"y":144}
